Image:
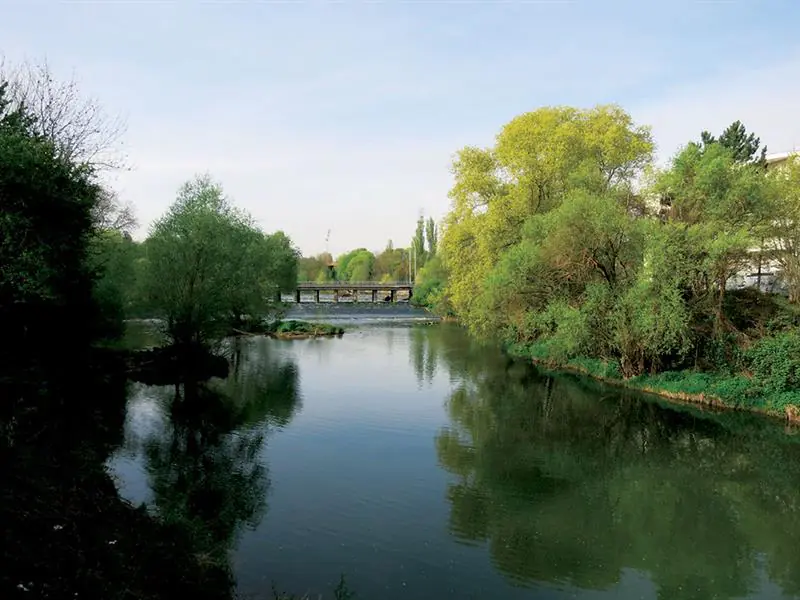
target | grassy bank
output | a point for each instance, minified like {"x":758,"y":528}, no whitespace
{"x":293,"y":329}
{"x":770,"y":395}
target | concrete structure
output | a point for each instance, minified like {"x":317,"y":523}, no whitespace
{"x":355,"y":290}
{"x":780,"y":158}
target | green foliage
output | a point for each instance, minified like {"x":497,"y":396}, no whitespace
{"x":548,"y":246}
{"x":743,"y":146}
{"x":304,"y":328}
{"x":429,"y":287}
{"x":783,"y":237}
{"x":315,"y":268}
{"x":431,"y":238}
{"x":113,"y":257}
{"x":418,"y":242}
{"x":356,"y":265}
{"x":46,"y":205}
{"x":208,"y":265}
{"x":775,"y":362}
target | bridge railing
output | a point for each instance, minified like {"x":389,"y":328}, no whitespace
{"x":346,"y":284}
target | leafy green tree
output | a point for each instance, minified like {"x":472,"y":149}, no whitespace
{"x":783,"y":239}
{"x":431,"y":237}
{"x":725,"y":208}
{"x":356,"y":265}
{"x":315,"y":268}
{"x":418,"y":243}
{"x":208,"y":265}
{"x":540,"y":158}
{"x":46,"y":206}
{"x":113,"y":258}
{"x":429,"y":287}
{"x":281,"y":262}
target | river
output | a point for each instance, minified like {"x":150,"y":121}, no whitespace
{"x":423,"y":465}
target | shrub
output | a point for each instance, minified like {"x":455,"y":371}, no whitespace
{"x":775,"y":362}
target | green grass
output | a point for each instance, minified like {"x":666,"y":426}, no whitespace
{"x":737,"y":391}
{"x":293,"y":328}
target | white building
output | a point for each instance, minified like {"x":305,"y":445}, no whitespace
{"x":764,"y":274}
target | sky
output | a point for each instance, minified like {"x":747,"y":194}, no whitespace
{"x":344,"y":116}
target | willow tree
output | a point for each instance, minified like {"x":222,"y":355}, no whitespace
{"x":208,"y":266}
{"x":539,"y":159}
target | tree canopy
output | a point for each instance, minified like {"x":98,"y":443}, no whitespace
{"x":208,"y":265}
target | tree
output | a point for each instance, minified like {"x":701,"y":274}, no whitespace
{"x":539,"y":158}
{"x":81,"y":131}
{"x":390,"y":265}
{"x":113,"y":259}
{"x":282,"y":262}
{"x":315,"y":268}
{"x":429,"y":287}
{"x":356,"y":265}
{"x":432,"y":237}
{"x":46,"y":204}
{"x":743,"y":146}
{"x":109,"y":213}
{"x":209,"y":265}
{"x":418,"y":243}
{"x":724,"y":207}
{"x":783,"y":243}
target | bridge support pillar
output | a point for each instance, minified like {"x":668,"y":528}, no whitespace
{"x":278,"y":297}
{"x":392,"y":295}
{"x":297,"y":296}
{"x":374,"y":296}
{"x":335,"y":295}
{"x":316,"y":296}
{"x":410,"y":293}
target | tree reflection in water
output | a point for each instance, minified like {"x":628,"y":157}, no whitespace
{"x":570,"y":482}
{"x":205,"y":465}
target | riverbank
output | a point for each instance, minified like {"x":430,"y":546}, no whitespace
{"x":297,"y":330}
{"x":707,"y":390}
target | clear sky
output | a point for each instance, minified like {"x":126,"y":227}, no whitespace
{"x":345,"y":115}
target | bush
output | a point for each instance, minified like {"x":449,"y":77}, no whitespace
{"x":775,"y":362}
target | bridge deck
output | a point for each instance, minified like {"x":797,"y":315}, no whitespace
{"x":353,"y":285}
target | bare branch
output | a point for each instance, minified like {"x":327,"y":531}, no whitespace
{"x":110,"y":213}
{"x":80,"y":129}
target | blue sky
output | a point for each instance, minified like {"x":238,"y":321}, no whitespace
{"x":345,"y":116}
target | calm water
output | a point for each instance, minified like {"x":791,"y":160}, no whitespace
{"x":423,"y":465}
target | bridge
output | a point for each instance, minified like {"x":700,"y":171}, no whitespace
{"x":354,"y":290}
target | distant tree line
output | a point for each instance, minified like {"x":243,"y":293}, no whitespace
{"x":389,"y":264}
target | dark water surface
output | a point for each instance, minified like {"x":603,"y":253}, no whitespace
{"x":423,"y":465}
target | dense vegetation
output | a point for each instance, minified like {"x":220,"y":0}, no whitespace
{"x":69,"y":274}
{"x":66,"y":531}
{"x":390,"y":264}
{"x":564,"y":241}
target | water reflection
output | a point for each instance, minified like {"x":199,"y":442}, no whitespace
{"x":204,"y":459}
{"x":570,"y":483}
{"x":66,"y":531}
